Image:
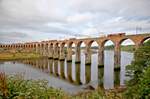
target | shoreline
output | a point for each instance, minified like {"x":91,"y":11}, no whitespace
{"x":8,"y":56}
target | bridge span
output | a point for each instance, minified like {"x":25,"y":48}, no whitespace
{"x":56,"y":49}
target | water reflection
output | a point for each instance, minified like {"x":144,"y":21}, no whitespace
{"x":117,"y":77}
{"x":62,"y":73}
{"x":69,"y":72}
{"x":55,"y":66}
{"x":88,"y":73}
{"x":100,"y":76}
{"x":78,"y":74}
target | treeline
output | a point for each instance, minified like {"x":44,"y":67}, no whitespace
{"x":128,"y":48}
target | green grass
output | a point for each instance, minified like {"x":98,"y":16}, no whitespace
{"x":18,"y":55}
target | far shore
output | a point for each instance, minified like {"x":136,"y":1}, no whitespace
{"x":18,"y":55}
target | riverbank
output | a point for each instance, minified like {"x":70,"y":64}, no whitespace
{"x":14,"y":86}
{"x":18,"y":55}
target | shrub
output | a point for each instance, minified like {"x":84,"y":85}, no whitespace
{"x":14,"y":87}
{"x":139,"y":71}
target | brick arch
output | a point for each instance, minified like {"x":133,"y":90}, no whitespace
{"x":42,"y":44}
{"x":50,"y":44}
{"x":31,"y":45}
{"x":105,"y":40}
{"x":34,"y":45}
{"x":62,"y":44}
{"x":144,"y":39}
{"x":123,"y":39}
{"x":16,"y":46}
{"x":39,"y":44}
{"x":46,"y":44}
{"x":91,"y":41}
{"x":56,"y":44}
{"x":80,"y":42}
{"x":27,"y":45}
{"x":70,"y":43}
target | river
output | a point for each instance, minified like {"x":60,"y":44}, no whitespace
{"x":71,"y":77}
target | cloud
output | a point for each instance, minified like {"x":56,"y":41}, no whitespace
{"x":34,"y":20}
{"x":115,"y":7}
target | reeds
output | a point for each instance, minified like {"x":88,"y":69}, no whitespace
{"x":3,"y":85}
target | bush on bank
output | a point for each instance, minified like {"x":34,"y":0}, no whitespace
{"x":15,"y":87}
{"x":138,"y":87}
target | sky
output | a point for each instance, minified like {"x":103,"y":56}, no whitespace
{"x":38,"y":20}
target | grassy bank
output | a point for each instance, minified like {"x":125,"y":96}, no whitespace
{"x":18,"y":55}
{"x":15,"y":87}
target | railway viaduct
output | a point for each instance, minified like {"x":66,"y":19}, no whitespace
{"x":57,"y":49}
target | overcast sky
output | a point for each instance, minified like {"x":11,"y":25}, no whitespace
{"x":36,"y":20}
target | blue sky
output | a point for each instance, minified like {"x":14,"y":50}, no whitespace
{"x":37,"y":20}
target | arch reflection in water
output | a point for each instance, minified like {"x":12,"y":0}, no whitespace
{"x":117,"y":78}
{"x":50,"y":63}
{"x":88,"y":73}
{"x":62,"y":69}
{"x":77,"y":74}
{"x":81,"y":74}
{"x":56,"y":68}
{"x":69,"y":71}
{"x":100,"y":76}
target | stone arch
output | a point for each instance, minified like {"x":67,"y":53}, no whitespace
{"x":56,"y":44}
{"x":144,"y":39}
{"x":91,"y":42}
{"x":70,"y":44}
{"x":70,"y":51}
{"x":107,"y":54}
{"x":62,"y":44}
{"x":79,"y":43}
{"x":78,"y":50}
{"x":46,"y":47}
{"x":105,"y":40}
{"x":50,"y":49}
{"x":34,"y":45}
{"x":56,"y":47}
{"x":39,"y":45}
{"x":46,"y":44}
{"x":51,"y":45}
{"x":23,"y":45}
{"x":123,"y":39}
{"x":42,"y":44}
{"x":63,"y":51}
{"x":125,"y":47}
{"x":94,"y":48}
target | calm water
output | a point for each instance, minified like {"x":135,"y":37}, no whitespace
{"x":71,"y":77}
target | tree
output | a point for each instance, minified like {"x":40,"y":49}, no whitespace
{"x":138,"y":86}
